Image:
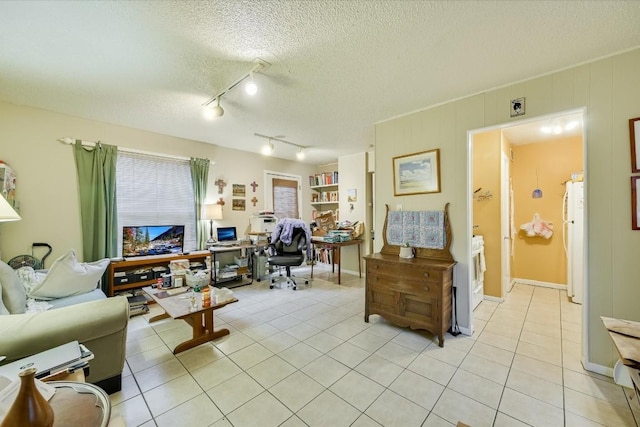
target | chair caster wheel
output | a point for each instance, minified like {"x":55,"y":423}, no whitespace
{"x":257,"y":280}
{"x":271,"y":287}
{"x":294,"y":288}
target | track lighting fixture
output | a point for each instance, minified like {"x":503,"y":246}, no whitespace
{"x":268,"y":148}
{"x":250,"y":87}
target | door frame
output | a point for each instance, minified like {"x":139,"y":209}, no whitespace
{"x":469,"y":213}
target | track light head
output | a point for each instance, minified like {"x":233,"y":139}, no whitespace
{"x":213,"y":112}
{"x":267,"y":149}
{"x":300,"y":154}
{"x":251,"y":87}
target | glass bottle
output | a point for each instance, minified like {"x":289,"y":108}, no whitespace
{"x":30,"y":409}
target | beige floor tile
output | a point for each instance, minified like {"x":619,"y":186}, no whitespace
{"x":489,"y":352}
{"x":536,"y":387}
{"x":271,"y":371}
{"x":433,"y":369}
{"x":250,"y":356}
{"x":215,"y":373}
{"x":328,"y":409}
{"x":398,"y":354}
{"x":391,"y":409}
{"x":199,"y":356}
{"x":499,"y":341}
{"x":506,"y":330}
{"x":476,"y":388}
{"x":379,"y":370}
{"x":415,"y":340}
{"x":233,"y":342}
{"x":159,"y":374}
{"x":263,"y":410}
{"x":143,"y":344}
{"x":279,"y":342}
{"x":300,"y":354}
{"x":538,"y":368}
{"x":368,"y":341}
{"x":349,"y":354}
{"x":435,"y":421}
{"x":296,"y":390}
{"x":261,"y":332}
{"x":234,"y":392}
{"x":541,"y":340}
{"x":129,"y":389}
{"x":199,"y":411}
{"x":133,"y":411}
{"x":598,"y":410}
{"x":325,"y":370}
{"x":503,"y":420}
{"x":169,"y":395}
{"x":530,"y":410}
{"x":293,"y":421}
{"x":594,"y":387}
{"x":573,"y":420}
{"x":149,"y":358}
{"x":323,"y":342}
{"x":453,"y":407}
{"x":485,"y":368}
{"x":357,"y":390}
{"x":551,"y":355}
{"x":418,"y":389}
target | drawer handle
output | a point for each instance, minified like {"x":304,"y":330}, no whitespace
{"x":426,"y":274}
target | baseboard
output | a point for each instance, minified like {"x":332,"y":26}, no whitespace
{"x":598,"y":369}
{"x":541,"y":284}
{"x":493,"y":299}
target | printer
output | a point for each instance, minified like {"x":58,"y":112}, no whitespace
{"x":263,"y":222}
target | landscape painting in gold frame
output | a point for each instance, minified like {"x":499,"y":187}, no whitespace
{"x":417,"y":173}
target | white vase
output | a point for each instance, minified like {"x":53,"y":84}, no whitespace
{"x":406,"y":252}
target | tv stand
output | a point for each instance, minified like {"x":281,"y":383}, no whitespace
{"x":134,"y":263}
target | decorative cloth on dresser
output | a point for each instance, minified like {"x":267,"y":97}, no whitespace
{"x":420,"y":229}
{"x":538,"y":227}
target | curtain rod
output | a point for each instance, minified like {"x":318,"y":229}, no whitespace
{"x":70,"y":141}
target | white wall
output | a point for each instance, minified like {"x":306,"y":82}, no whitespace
{"x":46,"y":176}
{"x":610,"y":90}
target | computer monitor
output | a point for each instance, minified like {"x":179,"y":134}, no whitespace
{"x":226,"y":234}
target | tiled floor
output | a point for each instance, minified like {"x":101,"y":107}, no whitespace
{"x":306,"y":357}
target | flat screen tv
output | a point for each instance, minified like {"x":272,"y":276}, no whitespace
{"x":148,"y":240}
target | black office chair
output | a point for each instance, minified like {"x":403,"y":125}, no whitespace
{"x":288,"y":256}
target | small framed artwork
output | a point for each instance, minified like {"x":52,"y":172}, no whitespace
{"x":517,"y":107}
{"x":352,"y":195}
{"x":238,"y":190}
{"x":417,"y":173}
{"x":238,"y":205}
{"x":635,"y":208}
{"x":634,"y":134}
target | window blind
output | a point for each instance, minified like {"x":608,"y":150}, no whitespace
{"x":285,"y":198}
{"x":154,"y":190}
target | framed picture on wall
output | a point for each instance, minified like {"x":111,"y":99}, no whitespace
{"x":417,"y":173}
{"x":635,"y":208}
{"x":634,"y":134}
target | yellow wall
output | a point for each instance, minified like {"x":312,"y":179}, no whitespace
{"x":537,"y":258}
{"x":46,"y":176}
{"x":609,"y":90}
{"x":486,"y":212}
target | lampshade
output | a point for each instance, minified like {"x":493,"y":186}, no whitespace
{"x":6,"y":211}
{"x":212,"y":211}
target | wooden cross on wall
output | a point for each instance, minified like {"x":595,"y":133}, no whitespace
{"x":220,"y":201}
{"x":254,"y":200}
{"x":254,"y":185}
{"x":221,"y":184}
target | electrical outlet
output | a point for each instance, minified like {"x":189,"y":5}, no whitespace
{"x":398,"y":207}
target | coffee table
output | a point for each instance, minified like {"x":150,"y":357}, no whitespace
{"x":200,"y":318}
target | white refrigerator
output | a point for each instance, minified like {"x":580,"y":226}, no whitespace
{"x":573,"y":231}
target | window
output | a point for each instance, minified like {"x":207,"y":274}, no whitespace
{"x":282,"y":193}
{"x":154,"y":190}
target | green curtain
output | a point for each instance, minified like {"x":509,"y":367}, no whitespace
{"x":200,"y":178}
{"x":96,"y":168}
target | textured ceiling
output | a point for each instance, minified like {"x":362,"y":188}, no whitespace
{"x":337,"y":67}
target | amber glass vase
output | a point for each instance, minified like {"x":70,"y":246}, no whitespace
{"x":29,"y":409}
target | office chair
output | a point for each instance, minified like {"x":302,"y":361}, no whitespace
{"x":288,"y":256}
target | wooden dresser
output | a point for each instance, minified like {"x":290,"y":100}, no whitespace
{"x":412,"y":292}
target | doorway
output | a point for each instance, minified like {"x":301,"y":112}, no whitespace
{"x":516,"y":175}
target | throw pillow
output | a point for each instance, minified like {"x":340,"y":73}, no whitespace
{"x":3,"y":309}
{"x":13,"y":295}
{"x":68,"y":277}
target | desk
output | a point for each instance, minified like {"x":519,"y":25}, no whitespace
{"x":232,"y":279}
{"x":333,"y":246}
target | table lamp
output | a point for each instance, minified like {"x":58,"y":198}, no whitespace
{"x":211,"y":212}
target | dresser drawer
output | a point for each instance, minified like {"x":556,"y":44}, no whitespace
{"x":405,"y":271}
{"x":384,"y":282}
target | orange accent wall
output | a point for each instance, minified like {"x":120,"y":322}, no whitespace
{"x":537,"y":258}
{"x":486,"y":213}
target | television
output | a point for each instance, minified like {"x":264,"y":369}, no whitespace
{"x":148,"y":240}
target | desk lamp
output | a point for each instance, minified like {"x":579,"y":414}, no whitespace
{"x":211,"y":212}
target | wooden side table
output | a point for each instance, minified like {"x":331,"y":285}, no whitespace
{"x":79,"y":404}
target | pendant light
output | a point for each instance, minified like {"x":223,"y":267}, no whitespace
{"x":537,"y":193}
